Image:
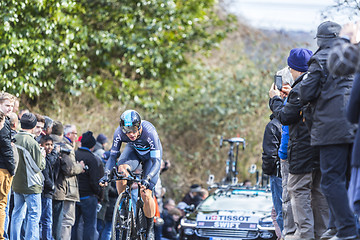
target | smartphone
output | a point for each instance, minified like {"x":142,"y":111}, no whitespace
{"x":278,"y":82}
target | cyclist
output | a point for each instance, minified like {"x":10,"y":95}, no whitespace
{"x":143,"y":146}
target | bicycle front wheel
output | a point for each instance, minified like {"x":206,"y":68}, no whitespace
{"x":122,"y":222}
{"x":140,"y":220}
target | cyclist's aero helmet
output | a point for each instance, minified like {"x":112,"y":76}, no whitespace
{"x":130,"y":121}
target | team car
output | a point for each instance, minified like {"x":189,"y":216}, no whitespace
{"x":232,"y":212}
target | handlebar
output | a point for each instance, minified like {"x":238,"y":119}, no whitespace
{"x":117,"y":176}
{"x":237,"y":140}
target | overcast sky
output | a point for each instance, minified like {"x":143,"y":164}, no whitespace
{"x":303,"y":15}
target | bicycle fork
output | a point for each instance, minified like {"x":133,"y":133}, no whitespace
{"x":124,"y":223}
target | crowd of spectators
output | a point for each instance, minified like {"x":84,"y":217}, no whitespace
{"x":49,"y":178}
{"x":308,"y":146}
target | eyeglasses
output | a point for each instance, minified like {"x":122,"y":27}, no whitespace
{"x":75,"y":133}
{"x":127,"y":130}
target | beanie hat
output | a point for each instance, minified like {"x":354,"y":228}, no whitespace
{"x":88,"y":140}
{"x":195,"y":188}
{"x":28,"y":121}
{"x":286,"y":76}
{"x":299,"y":58}
{"x":328,"y":29}
{"x":101,"y":138}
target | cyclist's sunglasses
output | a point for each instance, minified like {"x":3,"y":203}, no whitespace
{"x":129,"y":129}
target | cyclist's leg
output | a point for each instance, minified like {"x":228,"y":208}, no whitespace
{"x":128,"y":159}
{"x":147,"y":195}
{"x":149,"y":203}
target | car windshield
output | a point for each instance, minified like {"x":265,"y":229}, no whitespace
{"x":238,"y":200}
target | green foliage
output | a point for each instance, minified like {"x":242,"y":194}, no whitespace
{"x":119,"y":49}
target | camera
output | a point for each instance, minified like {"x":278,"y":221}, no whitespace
{"x":63,"y":149}
{"x":278,"y":82}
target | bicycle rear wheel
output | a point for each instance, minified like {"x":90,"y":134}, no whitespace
{"x":123,"y":217}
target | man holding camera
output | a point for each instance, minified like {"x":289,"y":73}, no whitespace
{"x":66,"y":186}
{"x":90,"y":191}
{"x":308,"y":203}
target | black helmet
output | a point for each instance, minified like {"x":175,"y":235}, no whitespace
{"x":130,"y":121}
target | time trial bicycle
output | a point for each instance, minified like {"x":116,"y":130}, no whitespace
{"x":128,"y":222}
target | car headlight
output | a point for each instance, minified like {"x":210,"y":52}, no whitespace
{"x":188,"y":223}
{"x":266,"y":223}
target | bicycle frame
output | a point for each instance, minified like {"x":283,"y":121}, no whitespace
{"x":134,"y":223}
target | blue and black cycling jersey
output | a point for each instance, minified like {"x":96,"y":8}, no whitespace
{"x":147,"y":147}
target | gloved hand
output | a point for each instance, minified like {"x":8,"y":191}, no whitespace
{"x":105,"y":179}
{"x":146,"y":182}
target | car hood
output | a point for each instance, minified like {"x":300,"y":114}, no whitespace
{"x":241,"y":202}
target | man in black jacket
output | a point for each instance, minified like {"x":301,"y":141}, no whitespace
{"x":7,"y":163}
{"x":308,"y":203}
{"x":271,"y":164}
{"x":89,"y":188}
{"x":49,"y":188}
{"x":330,"y":130}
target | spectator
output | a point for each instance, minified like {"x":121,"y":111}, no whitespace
{"x":182,"y":206}
{"x":46,"y":198}
{"x":66,"y":186}
{"x":39,"y":126}
{"x":28,"y":180}
{"x":16,"y":106}
{"x":22,"y":111}
{"x":2,"y":119}
{"x":101,"y":142}
{"x":331,"y":132}
{"x":89,"y":189}
{"x":7,"y":163}
{"x":344,"y":60}
{"x":308,"y":203}
{"x":171,"y":219}
{"x":289,"y":227}
{"x":47,"y":126}
{"x":169,"y":204}
{"x":271,"y":164}
{"x":78,"y":142}
{"x":190,"y":197}
{"x":108,"y":205}
{"x":14,"y":123}
{"x":70,"y":134}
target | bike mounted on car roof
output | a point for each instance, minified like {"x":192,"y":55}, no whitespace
{"x":128,"y":223}
{"x":231,"y":167}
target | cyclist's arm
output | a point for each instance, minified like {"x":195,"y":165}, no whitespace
{"x":155,"y":155}
{"x":156,"y":164}
{"x":114,"y":151}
